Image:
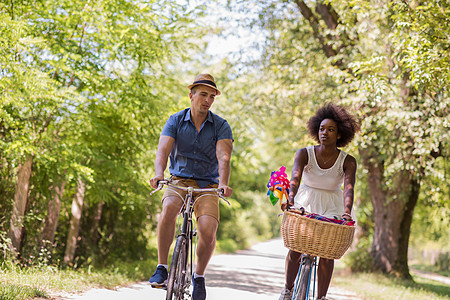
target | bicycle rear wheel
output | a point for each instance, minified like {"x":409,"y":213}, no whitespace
{"x":177,"y":275}
{"x":304,"y":278}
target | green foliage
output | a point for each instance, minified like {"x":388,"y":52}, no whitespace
{"x":13,"y":292}
{"x":5,"y":251}
{"x":87,"y":85}
{"x":422,"y":37}
{"x":38,"y":281}
{"x":359,"y":260}
{"x":443,"y":262}
{"x":430,"y":226}
{"x":394,"y":103}
{"x":226,"y":246}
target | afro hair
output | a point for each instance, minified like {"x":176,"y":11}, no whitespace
{"x":346,"y":123}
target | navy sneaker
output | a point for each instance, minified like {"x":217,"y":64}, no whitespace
{"x":159,"y":278}
{"x":199,"y":292}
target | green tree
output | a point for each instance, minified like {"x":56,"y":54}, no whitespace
{"x":29,"y":102}
{"x":86,"y":85}
{"x":357,"y":53}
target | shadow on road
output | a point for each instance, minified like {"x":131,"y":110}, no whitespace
{"x":248,"y":270}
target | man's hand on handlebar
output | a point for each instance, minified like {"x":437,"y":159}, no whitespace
{"x":227,"y":191}
{"x":154,"y":181}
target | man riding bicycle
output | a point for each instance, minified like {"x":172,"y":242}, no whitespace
{"x":199,"y":143}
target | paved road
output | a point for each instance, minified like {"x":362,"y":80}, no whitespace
{"x":253,"y":274}
{"x":436,"y":277}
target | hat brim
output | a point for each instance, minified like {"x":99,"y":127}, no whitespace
{"x":208,"y":85}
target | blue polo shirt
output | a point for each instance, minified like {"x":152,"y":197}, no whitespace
{"x":194,"y":153}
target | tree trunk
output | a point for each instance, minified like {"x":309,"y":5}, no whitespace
{"x":77,"y":207}
{"x":412,"y":187}
{"x":20,"y":204}
{"x":51,"y":222}
{"x":360,"y":231}
{"x":392,"y":212}
{"x":95,"y":224}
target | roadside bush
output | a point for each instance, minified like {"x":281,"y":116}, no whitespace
{"x":443,"y":262}
{"x":5,"y":251}
{"x":360,"y":259}
{"x":227,"y":246}
{"x":12,"y":292}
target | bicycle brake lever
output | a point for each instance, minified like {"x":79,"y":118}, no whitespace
{"x":229,"y":204}
{"x":155,"y":190}
{"x":220,"y":193}
{"x":160,"y":184}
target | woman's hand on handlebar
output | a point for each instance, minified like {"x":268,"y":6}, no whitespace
{"x":227,"y":191}
{"x":347,"y":217}
{"x":154,"y":181}
{"x":286,"y":205}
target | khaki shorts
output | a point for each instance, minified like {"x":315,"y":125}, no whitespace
{"x":205,"y":205}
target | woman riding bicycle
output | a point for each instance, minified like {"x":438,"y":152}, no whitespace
{"x":323,"y":169}
{"x":199,"y":143}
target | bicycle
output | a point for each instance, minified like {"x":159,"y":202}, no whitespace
{"x":183,"y":257}
{"x":302,"y":285}
{"x":302,"y":282}
{"x":313,"y":238}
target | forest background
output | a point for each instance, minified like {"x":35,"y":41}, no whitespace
{"x":86,"y":86}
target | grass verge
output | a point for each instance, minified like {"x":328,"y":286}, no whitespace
{"x":377,"y":286}
{"x":430,"y":268}
{"x":41,"y":282}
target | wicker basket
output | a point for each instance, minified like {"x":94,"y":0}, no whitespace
{"x":314,"y":237}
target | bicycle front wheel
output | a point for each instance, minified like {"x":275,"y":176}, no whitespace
{"x":304,"y":278}
{"x":177,"y":275}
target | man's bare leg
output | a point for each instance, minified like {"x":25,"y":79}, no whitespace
{"x":207,"y":228}
{"x":166,"y":227}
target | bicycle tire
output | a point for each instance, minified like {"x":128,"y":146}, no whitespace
{"x":177,"y":275}
{"x":305,"y":276}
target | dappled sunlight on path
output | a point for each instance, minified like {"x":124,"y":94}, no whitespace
{"x":250,"y":270}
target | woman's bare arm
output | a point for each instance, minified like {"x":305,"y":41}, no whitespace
{"x":349,"y":182}
{"x":300,"y":161}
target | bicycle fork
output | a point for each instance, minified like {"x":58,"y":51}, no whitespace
{"x":308,"y":263}
{"x":189,"y":233}
{"x":186,"y":232}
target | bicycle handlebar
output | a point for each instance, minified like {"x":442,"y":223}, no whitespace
{"x":219,"y":192}
{"x":301,"y":209}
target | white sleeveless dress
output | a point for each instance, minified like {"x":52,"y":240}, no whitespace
{"x":321,"y":189}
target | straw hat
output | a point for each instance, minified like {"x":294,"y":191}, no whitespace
{"x":204,"y":79}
